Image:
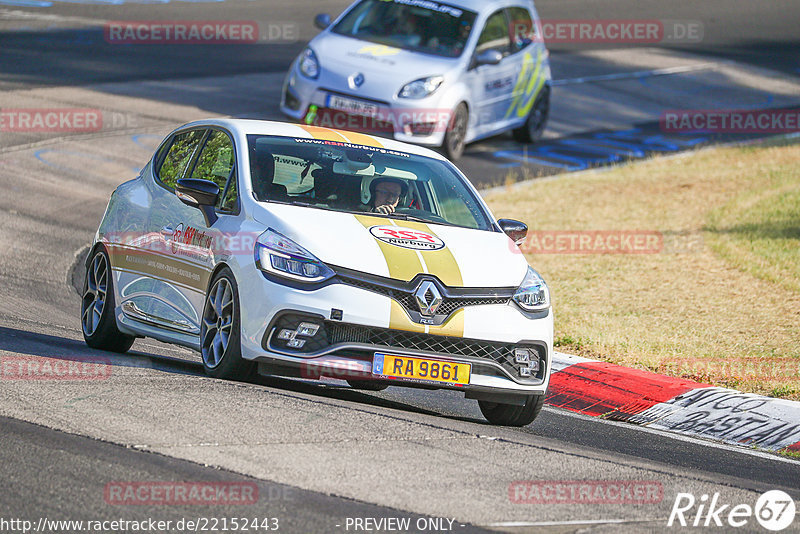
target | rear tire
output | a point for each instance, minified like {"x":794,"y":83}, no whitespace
{"x":98,"y":323}
{"x":220,"y":331}
{"x":511,"y":415}
{"x":453,"y":146}
{"x":534,"y":126}
{"x":367,"y":385}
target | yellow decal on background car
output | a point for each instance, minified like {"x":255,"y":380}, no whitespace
{"x":379,"y":50}
{"x":528,"y":85}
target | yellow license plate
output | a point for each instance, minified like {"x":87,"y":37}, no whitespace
{"x":394,"y":366}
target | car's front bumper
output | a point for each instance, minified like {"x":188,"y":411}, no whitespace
{"x":483,"y":336}
{"x":422,"y":122}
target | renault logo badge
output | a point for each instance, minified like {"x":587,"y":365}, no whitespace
{"x":428,"y":298}
{"x":355,"y":80}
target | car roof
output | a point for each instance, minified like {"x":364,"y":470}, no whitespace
{"x":480,"y":6}
{"x":243,"y":127}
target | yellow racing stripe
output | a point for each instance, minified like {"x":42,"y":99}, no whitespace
{"x":441,"y":263}
{"x":323,"y":134}
{"x":404,"y":264}
{"x":362,"y":139}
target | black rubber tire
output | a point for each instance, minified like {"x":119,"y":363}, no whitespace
{"x":106,"y":335}
{"x":453,"y":145}
{"x":511,"y":415}
{"x":534,"y":126}
{"x":231,"y":365}
{"x":367,"y":385}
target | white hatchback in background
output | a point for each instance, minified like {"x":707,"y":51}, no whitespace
{"x":425,"y":72}
{"x":259,"y":245}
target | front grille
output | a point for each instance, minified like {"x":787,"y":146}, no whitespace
{"x":333,"y":333}
{"x":408,"y":302}
{"x":497,"y":351}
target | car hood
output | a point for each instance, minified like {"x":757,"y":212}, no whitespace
{"x":459,"y":257}
{"x":385,"y":69}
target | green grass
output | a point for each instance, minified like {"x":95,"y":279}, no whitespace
{"x":720,"y":303}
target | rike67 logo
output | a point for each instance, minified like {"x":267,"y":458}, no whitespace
{"x":774,"y":511}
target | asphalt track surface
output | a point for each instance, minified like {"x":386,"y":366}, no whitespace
{"x":319,"y":453}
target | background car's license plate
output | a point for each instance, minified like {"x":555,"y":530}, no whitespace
{"x":421,"y":369}
{"x":350,"y":105}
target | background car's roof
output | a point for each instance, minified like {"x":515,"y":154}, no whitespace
{"x":244,"y":127}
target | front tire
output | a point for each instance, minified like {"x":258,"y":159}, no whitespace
{"x":512,"y":415}
{"x":534,"y":126}
{"x":453,"y":146}
{"x":220,"y":334}
{"x":97,"y":307}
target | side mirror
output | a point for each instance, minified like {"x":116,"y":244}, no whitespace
{"x":200,"y":194}
{"x":488,"y":57}
{"x":516,"y":230}
{"x":322,"y":21}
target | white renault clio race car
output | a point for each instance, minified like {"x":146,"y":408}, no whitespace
{"x":425,"y":72}
{"x":271,"y":247}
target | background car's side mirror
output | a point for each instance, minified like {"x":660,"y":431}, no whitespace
{"x":322,"y":21}
{"x":200,"y":194}
{"x":516,"y":230}
{"x":488,"y":57}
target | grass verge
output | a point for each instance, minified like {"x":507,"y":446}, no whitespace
{"x":713,"y":296}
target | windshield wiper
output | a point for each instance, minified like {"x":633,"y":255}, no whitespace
{"x":407,"y":217}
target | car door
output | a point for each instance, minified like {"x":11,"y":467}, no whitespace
{"x":491,"y":85}
{"x":190,"y":244}
{"x":146,"y":291}
{"x":528,"y":56}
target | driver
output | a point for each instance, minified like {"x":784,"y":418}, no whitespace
{"x":385,"y":194}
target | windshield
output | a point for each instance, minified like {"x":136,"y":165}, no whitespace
{"x":357,"y":179}
{"x":418,"y":25}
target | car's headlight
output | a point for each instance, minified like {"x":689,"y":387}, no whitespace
{"x":309,"y":65}
{"x":421,"y":88}
{"x":279,"y":255}
{"x":532,"y":294}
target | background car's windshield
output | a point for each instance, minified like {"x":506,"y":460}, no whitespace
{"x":343,"y":177}
{"x":438,"y":29}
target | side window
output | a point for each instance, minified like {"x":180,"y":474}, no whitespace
{"x":215,"y":163}
{"x":523,"y":31}
{"x":178,"y":157}
{"x":495,"y":35}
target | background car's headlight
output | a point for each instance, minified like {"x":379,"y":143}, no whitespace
{"x":421,"y":88}
{"x":279,"y":255}
{"x":309,"y":65}
{"x":532,"y":294}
